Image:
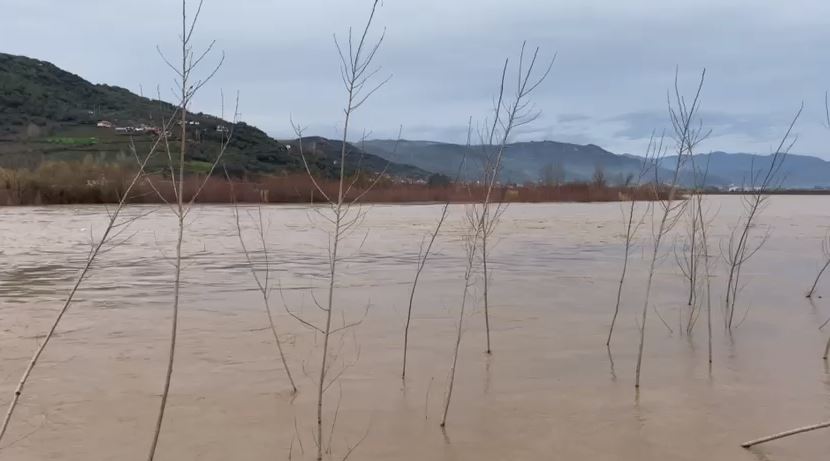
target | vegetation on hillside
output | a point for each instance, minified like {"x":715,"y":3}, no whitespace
{"x":47,"y":113}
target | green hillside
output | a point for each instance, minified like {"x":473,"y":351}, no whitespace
{"x":47,"y":113}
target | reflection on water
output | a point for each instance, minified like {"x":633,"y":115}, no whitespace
{"x":551,"y":389}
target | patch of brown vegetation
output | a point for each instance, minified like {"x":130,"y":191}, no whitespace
{"x":57,"y":183}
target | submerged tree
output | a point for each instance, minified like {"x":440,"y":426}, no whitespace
{"x":741,"y":244}
{"x":509,"y":112}
{"x":341,"y":212}
{"x":687,"y":134}
{"x":632,"y":222}
{"x":188,"y":85}
{"x":687,"y":255}
{"x":825,"y":244}
{"x":694,"y":250}
{"x":262,"y":277}
{"x":825,"y":247}
{"x":702,"y":221}
{"x":425,"y":252}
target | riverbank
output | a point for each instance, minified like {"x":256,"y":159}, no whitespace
{"x":75,"y":184}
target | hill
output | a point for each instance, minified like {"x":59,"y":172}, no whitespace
{"x":49,"y":113}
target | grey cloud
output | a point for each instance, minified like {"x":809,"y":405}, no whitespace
{"x":608,"y":87}
{"x":758,"y":126}
{"x":565,"y":118}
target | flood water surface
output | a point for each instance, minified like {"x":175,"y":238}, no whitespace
{"x":549,"y":390}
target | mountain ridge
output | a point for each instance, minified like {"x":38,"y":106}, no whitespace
{"x":529,"y":161}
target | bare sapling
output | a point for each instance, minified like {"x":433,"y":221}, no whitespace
{"x":632,"y":220}
{"x":687,"y":135}
{"x":341,"y":212}
{"x":469,"y":246}
{"x":707,"y":273}
{"x":114,"y":227}
{"x":687,"y":255}
{"x":491,"y":216}
{"x":509,"y":112}
{"x":427,"y":250}
{"x":741,"y":245}
{"x":827,"y":349}
{"x":491,"y":208}
{"x":825,"y":244}
{"x":188,"y":85}
{"x":825,"y":247}
{"x":262,"y":278}
{"x":703,"y":221}
{"x":694,"y":248}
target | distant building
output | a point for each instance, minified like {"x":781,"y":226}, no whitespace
{"x":105,"y":124}
{"x":222,"y":129}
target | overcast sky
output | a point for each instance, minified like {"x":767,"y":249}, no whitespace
{"x":616,"y":60}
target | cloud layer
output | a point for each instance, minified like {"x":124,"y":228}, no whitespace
{"x":616,"y":61}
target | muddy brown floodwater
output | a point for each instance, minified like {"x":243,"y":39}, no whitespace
{"x":549,"y":391}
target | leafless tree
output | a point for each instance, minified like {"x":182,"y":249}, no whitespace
{"x":703,"y":221}
{"x":507,"y":116}
{"x":687,"y":255}
{"x":509,"y":112}
{"x":741,"y":244}
{"x":825,"y":247}
{"x":341,"y":212}
{"x":188,"y":85}
{"x":115,"y":226}
{"x":827,"y":349}
{"x":262,"y":278}
{"x":632,"y":220}
{"x":825,"y":244}
{"x":489,"y":223}
{"x":687,"y":134}
{"x":707,"y":272}
{"x":694,"y":250}
{"x":426,"y":251}
{"x":469,"y":246}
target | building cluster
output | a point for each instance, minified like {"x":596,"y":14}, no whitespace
{"x":132,"y":129}
{"x":154,"y":130}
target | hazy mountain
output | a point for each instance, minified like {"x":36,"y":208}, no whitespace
{"x":535,"y":161}
{"x":521,"y":162}
{"x":725,"y":169}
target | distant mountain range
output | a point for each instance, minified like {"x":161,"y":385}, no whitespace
{"x":521,"y":162}
{"x":49,"y":113}
{"x":725,"y":169}
{"x":537,"y":161}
